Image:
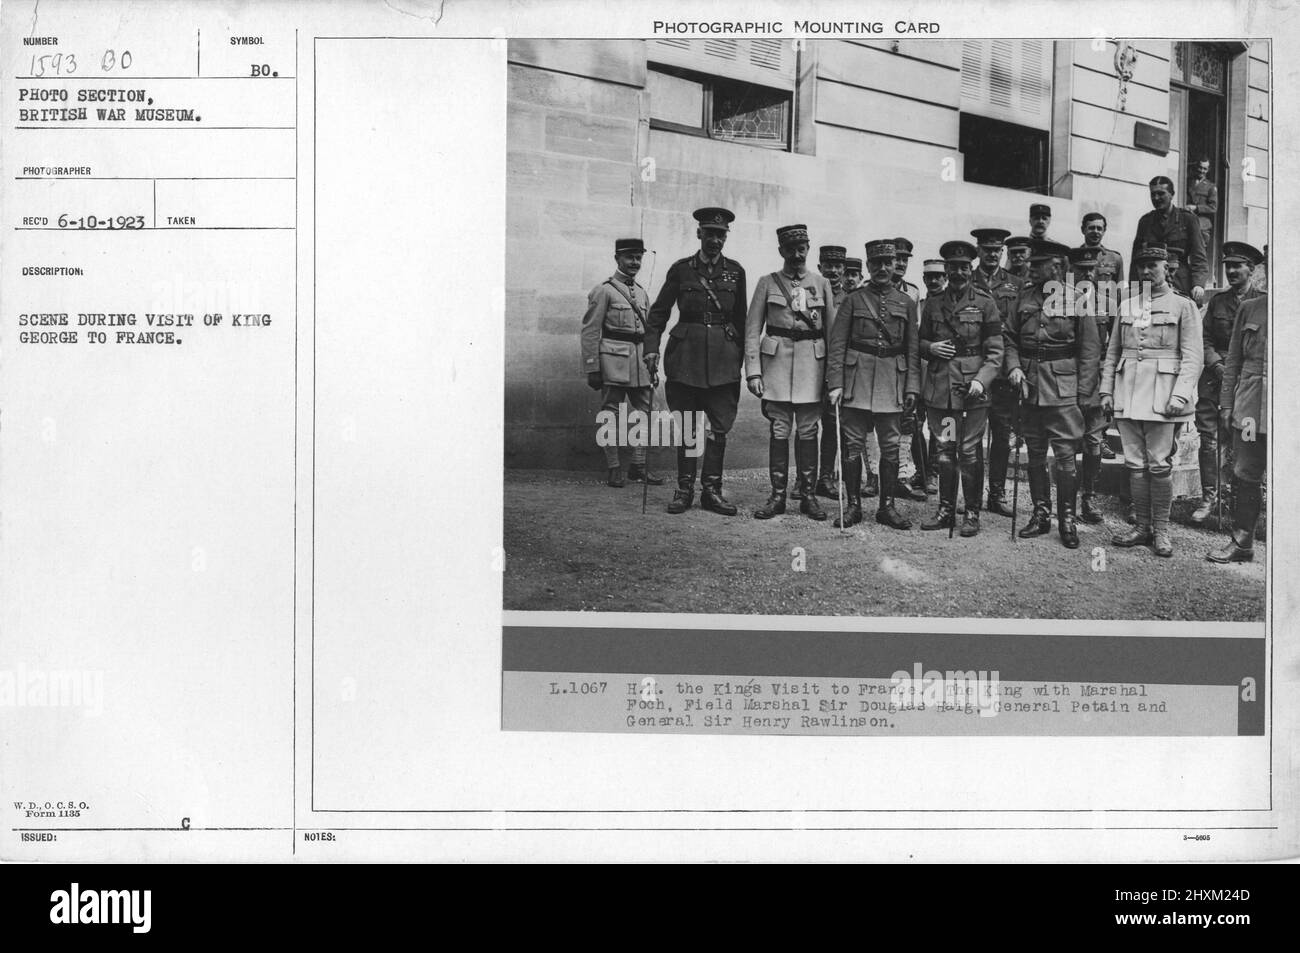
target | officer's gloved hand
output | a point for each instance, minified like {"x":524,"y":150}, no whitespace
{"x":1108,"y":405}
{"x":1218,"y":372}
{"x":909,"y":404}
{"x":1175,"y":407}
{"x":835,"y":395}
{"x":594,"y":380}
{"x":975,"y":391}
{"x":755,"y":385}
{"x":651,"y":362}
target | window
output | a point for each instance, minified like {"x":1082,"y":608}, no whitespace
{"x":733,"y":90}
{"x":1006,"y":112}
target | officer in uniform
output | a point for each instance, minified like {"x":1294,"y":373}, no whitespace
{"x":1018,"y":256}
{"x":1203,"y":201}
{"x":1053,"y":358}
{"x":704,"y":353}
{"x":852,"y":274}
{"x":1109,"y":264}
{"x":1092,"y":299}
{"x":873,"y":375}
{"x":1166,"y":224}
{"x":961,"y":337}
{"x":903,"y":255}
{"x":1245,"y":410}
{"x":832,"y":262}
{"x":1040,"y":220}
{"x":934,"y":277}
{"x":1149,"y":382}
{"x":1107,"y":276}
{"x":1003,"y":288}
{"x":785,"y":366}
{"x":1239,"y":261}
{"x":613,"y":357}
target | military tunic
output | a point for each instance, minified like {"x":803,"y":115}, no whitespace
{"x":787,"y":348}
{"x":971,"y":321}
{"x":874,"y":361}
{"x":1060,"y":357}
{"x":1216,"y":335}
{"x":1203,"y":197}
{"x":704,"y":347}
{"x":1177,"y":226}
{"x":613,"y":332}
{"x":1245,"y":390}
{"x":702,"y":360}
{"x":1152,"y":358}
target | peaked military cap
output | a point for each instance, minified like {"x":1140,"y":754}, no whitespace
{"x":788,"y":234}
{"x":958,"y":251}
{"x":1175,"y":251}
{"x":1041,"y":250}
{"x":1019,"y":241}
{"x":1084,"y":256}
{"x":1240,"y":251}
{"x":990,"y":237}
{"x":881,"y":248}
{"x":831,"y":253}
{"x":714,"y":218}
{"x":1038,"y":208}
{"x":902,"y":246}
{"x":628,"y":244}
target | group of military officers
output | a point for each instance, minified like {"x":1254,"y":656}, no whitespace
{"x":836,"y":354}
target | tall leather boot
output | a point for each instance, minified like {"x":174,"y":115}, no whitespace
{"x":1245,"y":513}
{"x":778,"y":469}
{"x":999,"y":458}
{"x":826,"y":485}
{"x":1140,"y":495}
{"x":886,"y":515}
{"x":684,"y":495}
{"x":1162,"y":497}
{"x":711,"y":497}
{"x":1206,"y":457}
{"x":1088,"y":488}
{"x":1040,"y":492}
{"x":853,"y":491}
{"x":946,"y":513}
{"x":1066,"y":488}
{"x":805,"y":455}
{"x":972,"y":481}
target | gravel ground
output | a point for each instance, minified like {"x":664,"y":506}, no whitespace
{"x":573,"y":543}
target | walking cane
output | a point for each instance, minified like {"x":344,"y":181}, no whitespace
{"x":1015,"y":466}
{"x":645,"y":471}
{"x":839,"y":462}
{"x":961,"y":440}
{"x":1218,"y":475}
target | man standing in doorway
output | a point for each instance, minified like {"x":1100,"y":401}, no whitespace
{"x":1203,"y":201}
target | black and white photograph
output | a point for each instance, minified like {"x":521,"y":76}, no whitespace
{"x":842,"y":325}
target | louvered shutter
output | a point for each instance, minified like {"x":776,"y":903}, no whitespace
{"x":765,"y":61}
{"x":1009,"y":80}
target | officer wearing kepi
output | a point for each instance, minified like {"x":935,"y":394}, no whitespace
{"x":873,"y":375}
{"x":704,"y":353}
{"x":1239,"y":262}
{"x":1003,"y":288}
{"x":1040,"y":220}
{"x":1245,"y":410}
{"x":1054,"y":358}
{"x":613,"y":335}
{"x":961,"y":337}
{"x":785,"y":366}
{"x":852,"y":274}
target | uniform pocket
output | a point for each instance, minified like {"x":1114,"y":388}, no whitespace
{"x":615,"y":361}
{"x":769,"y":345}
{"x":1067,"y":378}
{"x":819,"y":348}
{"x":1166,"y":378}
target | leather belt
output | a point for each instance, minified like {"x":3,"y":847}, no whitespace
{"x":618,"y":334}
{"x":1149,"y":354}
{"x":794,"y":334}
{"x":706,"y":319}
{"x":1049,"y":352}
{"x":879,"y":350}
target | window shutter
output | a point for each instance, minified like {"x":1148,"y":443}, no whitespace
{"x":765,"y":61}
{"x":1009,"y":80}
